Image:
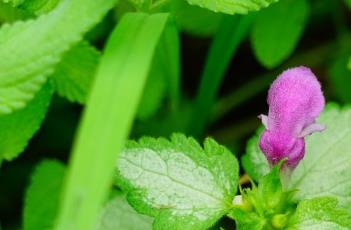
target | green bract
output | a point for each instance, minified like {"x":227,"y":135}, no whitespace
{"x":178,"y":182}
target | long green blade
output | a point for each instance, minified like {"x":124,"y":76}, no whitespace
{"x":108,"y":117}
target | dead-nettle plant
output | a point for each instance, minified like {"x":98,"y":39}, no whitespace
{"x":300,"y":178}
{"x":186,"y":186}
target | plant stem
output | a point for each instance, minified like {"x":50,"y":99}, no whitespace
{"x":230,"y":34}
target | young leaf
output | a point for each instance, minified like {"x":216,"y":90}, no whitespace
{"x":17,"y":128}
{"x":117,"y":214}
{"x":320,"y":213}
{"x":109,"y":115}
{"x":277,"y":31}
{"x":74,"y":74}
{"x":41,"y":201}
{"x":232,"y":6}
{"x":178,"y":182}
{"x":30,"y":50}
{"x":324,"y":171}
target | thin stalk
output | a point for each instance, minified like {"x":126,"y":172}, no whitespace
{"x":230,"y":34}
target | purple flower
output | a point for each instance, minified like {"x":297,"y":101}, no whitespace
{"x":295,"y":100}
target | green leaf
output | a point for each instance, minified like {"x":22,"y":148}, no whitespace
{"x":42,"y":196}
{"x":109,"y":115}
{"x":320,"y":213}
{"x":325,"y":169}
{"x":16,"y":129}
{"x":277,"y":30}
{"x":75,"y":73}
{"x":30,"y":50}
{"x":117,"y":214}
{"x":254,"y":162}
{"x":178,"y":182}
{"x":232,"y":6}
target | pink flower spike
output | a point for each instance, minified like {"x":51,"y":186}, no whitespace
{"x":295,"y":100}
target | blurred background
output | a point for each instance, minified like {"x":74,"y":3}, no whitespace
{"x":324,"y":45}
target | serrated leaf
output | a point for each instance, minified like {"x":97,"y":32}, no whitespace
{"x":277,"y":30}
{"x":232,"y":6}
{"x":254,"y":162}
{"x":42,"y":196}
{"x":16,"y":129}
{"x":178,"y":182}
{"x":324,"y":170}
{"x":30,"y":50}
{"x":320,"y":213}
{"x":74,"y":74}
{"x":118,"y":214}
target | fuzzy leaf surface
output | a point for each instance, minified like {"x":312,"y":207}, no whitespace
{"x":182,"y":184}
{"x":320,"y":213}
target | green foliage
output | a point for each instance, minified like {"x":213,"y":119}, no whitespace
{"x":178,"y":182}
{"x":26,"y":63}
{"x":117,"y":214}
{"x":320,"y":213}
{"x":74,"y":74}
{"x":264,"y":207}
{"x":232,"y":6}
{"x":42,"y":196}
{"x":109,"y":114}
{"x":277,"y":30}
{"x":17,"y":128}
